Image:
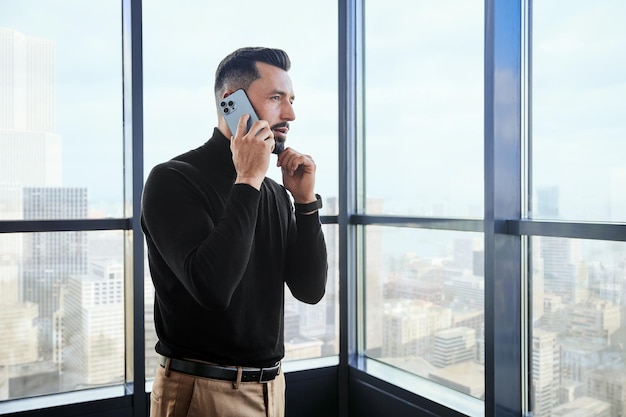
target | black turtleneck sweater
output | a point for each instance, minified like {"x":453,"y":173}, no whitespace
{"x":219,"y":255}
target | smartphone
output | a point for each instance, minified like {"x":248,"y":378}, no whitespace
{"x":236,"y":105}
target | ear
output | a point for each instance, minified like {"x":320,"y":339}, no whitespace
{"x":227,"y":93}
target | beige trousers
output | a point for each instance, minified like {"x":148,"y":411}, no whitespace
{"x":181,"y":395}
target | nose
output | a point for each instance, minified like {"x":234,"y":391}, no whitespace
{"x":287,"y":111}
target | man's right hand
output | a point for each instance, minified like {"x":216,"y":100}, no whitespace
{"x":251,"y":152}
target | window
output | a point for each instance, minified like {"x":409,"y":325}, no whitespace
{"x":578,"y":97}
{"x":423,"y":289}
{"x":61,"y":121}
{"x":578,"y":175}
{"x":61,"y":169}
{"x":424,"y":108}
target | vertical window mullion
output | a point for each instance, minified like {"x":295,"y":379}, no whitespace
{"x":503,"y":140}
{"x":133,"y":185}
{"x":350,"y":49}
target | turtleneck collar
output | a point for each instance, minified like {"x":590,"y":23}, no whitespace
{"x":218,"y":154}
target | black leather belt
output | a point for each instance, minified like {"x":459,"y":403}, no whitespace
{"x":224,"y":373}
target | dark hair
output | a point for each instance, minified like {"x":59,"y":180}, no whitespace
{"x":238,"y":69}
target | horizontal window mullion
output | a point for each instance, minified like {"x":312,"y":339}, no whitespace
{"x":329,"y":219}
{"x":465,"y":225}
{"x":600,"y":231}
{"x":69,"y":225}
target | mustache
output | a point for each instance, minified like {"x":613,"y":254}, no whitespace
{"x":281,"y":124}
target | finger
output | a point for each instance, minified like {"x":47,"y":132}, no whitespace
{"x":284,"y":160}
{"x":264,"y":134}
{"x":260,"y":128}
{"x":294,"y":163}
{"x":272,"y":143}
{"x":242,"y":125}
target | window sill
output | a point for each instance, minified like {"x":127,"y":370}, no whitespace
{"x":447,"y":397}
{"x":115,"y":393}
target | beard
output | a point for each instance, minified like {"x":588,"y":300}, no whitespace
{"x":279,"y":141}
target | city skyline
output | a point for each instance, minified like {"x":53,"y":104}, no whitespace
{"x":579,"y":298}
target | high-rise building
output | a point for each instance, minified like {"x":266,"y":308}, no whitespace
{"x":554,"y":314}
{"x":31,"y":148}
{"x":30,"y":157}
{"x":409,"y":327}
{"x":609,"y":385}
{"x":455,"y":345}
{"x":466,"y":288}
{"x":93,"y":340}
{"x":579,"y":357}
{"x":559,"y":268}
{"x":548,"y":202}
{"x":545,"y":371}
{"x":594,"y":320}
{"x":50,"y":258}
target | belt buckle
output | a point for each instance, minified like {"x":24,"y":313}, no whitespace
{"x":275,"y":368}
{"x":261,"y":381}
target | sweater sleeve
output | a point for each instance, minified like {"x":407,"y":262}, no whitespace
{"x":307,"y":264}
{"x":208,"y":255}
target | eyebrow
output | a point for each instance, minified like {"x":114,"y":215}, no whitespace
{"x":284,"y":94}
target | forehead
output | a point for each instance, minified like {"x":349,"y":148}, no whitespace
{"x":273,"y":79}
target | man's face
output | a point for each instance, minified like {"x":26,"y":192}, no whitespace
{"x":272,"y":97}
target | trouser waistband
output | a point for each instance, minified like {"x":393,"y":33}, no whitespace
{"x":225,"y":373}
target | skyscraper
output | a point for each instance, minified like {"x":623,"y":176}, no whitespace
{"x":35,"y":266}
{"x":31,"y":148}
{"x":50,"y":258}
{"x":30,"y":156}
{"x":93,"y":350}
{"x":545,"y":371}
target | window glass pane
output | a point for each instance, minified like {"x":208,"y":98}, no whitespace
{"x":61,"y":312}
{"x":61,"y":117}
{"x":180,"y":113}
{"x":579,"y":102}
{"x":424,"y":107}
{"x":579,"y":327}
{"x":424,"y":298}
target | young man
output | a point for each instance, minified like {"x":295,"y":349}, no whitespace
{"x":222,"y":241}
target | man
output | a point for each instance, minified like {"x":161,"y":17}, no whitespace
{"x":222,"y":241}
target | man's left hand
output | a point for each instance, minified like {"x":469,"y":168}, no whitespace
{"x":298,"y":175}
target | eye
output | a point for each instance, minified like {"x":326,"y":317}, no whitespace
{"x":275,"y":98}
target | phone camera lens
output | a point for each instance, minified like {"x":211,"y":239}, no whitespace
{"x":223,"y":103}
{"x":226,"y":110}
{"x":230,"y":103}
